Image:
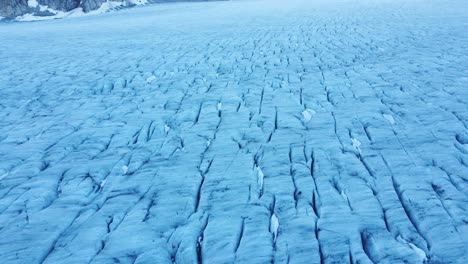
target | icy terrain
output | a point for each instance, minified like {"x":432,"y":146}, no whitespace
{"x":245,"y":131}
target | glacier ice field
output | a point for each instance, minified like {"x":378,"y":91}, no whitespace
{"x":249,"y":131}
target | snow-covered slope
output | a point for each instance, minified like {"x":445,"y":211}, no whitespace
{"x":244,"y":131}
{"x":33,"y":10}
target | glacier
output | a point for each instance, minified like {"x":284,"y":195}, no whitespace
{"x":248,"y":131}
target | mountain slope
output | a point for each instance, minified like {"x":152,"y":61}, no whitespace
{"x":43,"y":9}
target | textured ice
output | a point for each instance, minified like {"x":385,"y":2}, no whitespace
{"x":237,"y":132}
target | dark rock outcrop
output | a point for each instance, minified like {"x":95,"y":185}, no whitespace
{"x":89,"y":5}
{"x":63,"y":5}
{"x":13,"y":8}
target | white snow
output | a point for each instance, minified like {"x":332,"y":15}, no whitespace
{"x":106,"y":6}
{"x":274,"y":225}
{"x":419,"y":252}
{"x":124,"y":169}
{"x":138,"y":2}
{"x":151,"y":79}
{"x":103,"y":182}
{"x":389,"y":118}
{"x":356,"y":144}
{"x":308,"y":114}
{"x":422,"y":255}
{"x":77,"y":12}
{"x":33,"y":3}
{"x":343,"y":194}
{"x":260,"y":177}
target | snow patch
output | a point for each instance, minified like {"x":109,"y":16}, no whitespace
{"x":260,"y":177}
{"x":419,"y":252}
{"x":57,"y":14}
{"x":107,"y":6}
{"x":124,"y":169}
{"x":138,"y":2}
{"x":274,"y":225}
{"x":77,"y":12}
{"x":33,"y":3}
{"x":45,"y":8}
{"x":343,"y":194}
{"x":422,"y":255}
{"x":105,"y":180}
{"x":308,"y":114}
{"x":389,"y":118}
{"x":151,"y":79}
{"x":356,"y":144}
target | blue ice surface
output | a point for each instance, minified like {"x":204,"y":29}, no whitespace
{"x":237,"y":132}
